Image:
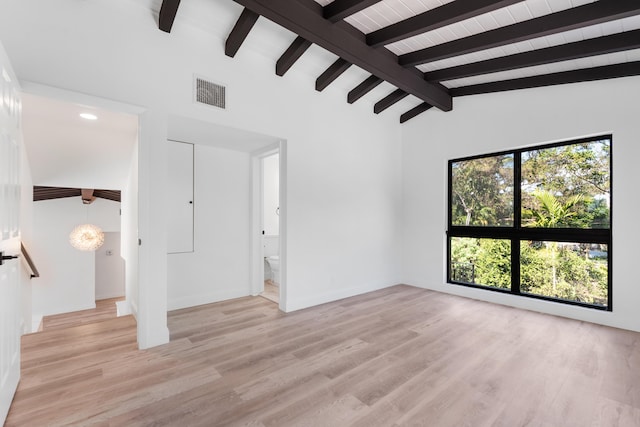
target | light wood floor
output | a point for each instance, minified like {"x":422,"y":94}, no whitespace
{"x":271,"y":291}
{"x":105,"y":309}
{"x":401,"y":356}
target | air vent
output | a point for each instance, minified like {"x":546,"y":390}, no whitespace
{"x":209,"y":93}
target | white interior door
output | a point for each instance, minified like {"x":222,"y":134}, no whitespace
{"x":180,"y":197}
{"x":10,"y":297}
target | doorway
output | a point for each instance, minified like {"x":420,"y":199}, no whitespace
{"x":229,"y":261}
{"x":269,"y":231}
{"x":76,"y":141}
{"x":270,"y":209}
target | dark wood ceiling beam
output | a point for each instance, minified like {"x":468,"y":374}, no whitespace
{"x":575,"y":76}
{"x":310,"y":24}
{"x":414,"y":112}
{"x":114,"y":195}
{"x":340,"y":9}
{"x":291,"y":55}
{"x":363,"y":88}
{"x":570,"y":19}
{"x":240,"y":31}
{"x":168,"y":11}
{"x":389,"y":100}
{"x":433,"y":19}
{"x":581,"y":49}
{"x":48,"y":193}
{"x":334,"y":71}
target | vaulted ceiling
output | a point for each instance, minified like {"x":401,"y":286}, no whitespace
{"x":432,"y":51}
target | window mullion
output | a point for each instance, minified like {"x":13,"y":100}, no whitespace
{"x":517,"y":222}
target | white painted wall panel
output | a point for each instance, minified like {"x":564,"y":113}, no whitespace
{"x":67,"y":275}
{"x":110,"y":274}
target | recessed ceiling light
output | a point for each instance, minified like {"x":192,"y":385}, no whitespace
{"x":89,"y":116}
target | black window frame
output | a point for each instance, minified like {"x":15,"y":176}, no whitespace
{"x":516,"y":233}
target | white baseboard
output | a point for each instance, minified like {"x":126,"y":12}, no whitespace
{"x":294,"y":304}
{"x":36,"y":321}
{"x":194,"y":300}
{"x":123,"y":308}
{"x":109,"y":295}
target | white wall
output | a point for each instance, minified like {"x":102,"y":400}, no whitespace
{"x":219,"y":267}
{"x":343,"y":189}
{"x":489,"y":123}
{"x":271,"y":199}
{"x":109,"y":271}
{"x":129,"y":237}
{"x":67,"y":275}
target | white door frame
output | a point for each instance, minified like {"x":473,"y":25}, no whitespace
{"x":257,"y":249}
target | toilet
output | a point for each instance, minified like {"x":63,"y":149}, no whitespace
{"x":272,"y":258}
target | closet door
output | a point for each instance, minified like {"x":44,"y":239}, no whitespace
{"x":180,"y":197}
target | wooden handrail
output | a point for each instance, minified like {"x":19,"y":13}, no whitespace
{"x":29,"y":261}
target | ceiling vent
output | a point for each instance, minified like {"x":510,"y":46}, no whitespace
{"x":206,"y":92}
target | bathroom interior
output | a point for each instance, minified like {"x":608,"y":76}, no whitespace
{"x":271,"y":226}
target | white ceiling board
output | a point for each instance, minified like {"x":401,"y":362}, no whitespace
{"x":593,"y":31}
{"x":385,"y":13}
{"x":509,"y":15}
{"x":65,"y":150}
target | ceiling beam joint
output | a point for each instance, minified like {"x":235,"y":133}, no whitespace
{"x":389,"y":100}
{"x":291,"y":55}
{"x":167,"y":15}
{"x":334,"y":71}
{"x":240,"y":31}
{"x":363,"y":88}
{"x":419,"y":109}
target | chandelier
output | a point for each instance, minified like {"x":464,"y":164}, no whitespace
{"x":87,"y":237}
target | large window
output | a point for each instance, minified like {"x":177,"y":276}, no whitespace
{"x":534,"y":222}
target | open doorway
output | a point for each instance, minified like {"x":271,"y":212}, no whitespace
{"x":270,"y":209}
{"x":227,"y":259}
{"x":75,"y":142}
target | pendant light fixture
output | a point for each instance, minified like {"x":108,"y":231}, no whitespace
{"x":87,"y":237}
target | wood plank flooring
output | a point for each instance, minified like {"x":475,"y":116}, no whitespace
{"x":401,"y":356}
{"x":105,"y":309}
{"x":271,"y":291}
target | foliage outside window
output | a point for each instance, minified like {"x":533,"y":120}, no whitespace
{"x":534,"y":222}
